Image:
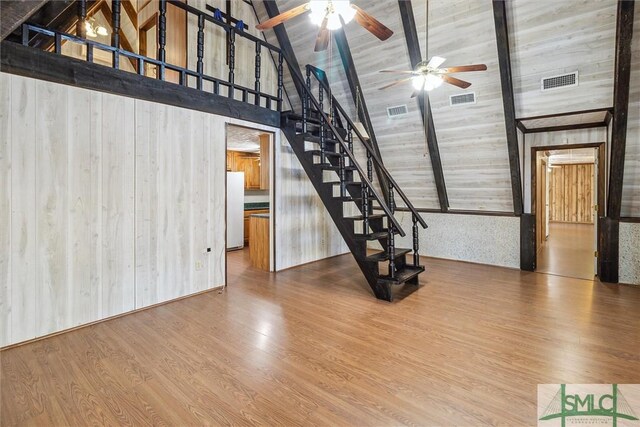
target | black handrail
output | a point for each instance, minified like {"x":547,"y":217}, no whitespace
{"x":316,"y":71}
{"x":363,"y":175}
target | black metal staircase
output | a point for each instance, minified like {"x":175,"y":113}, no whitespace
{"x":324,"y":144}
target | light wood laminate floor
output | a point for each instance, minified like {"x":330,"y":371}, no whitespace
{"x":568,"y":251}
{"x":312,"y":346}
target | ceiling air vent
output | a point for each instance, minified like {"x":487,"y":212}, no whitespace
{"x":557,"y":82}
{"x":397,"y":111}
{"x":462,"y":99}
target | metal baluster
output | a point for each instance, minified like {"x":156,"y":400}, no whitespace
{"x":365,"y":206}
{"x":25,"y":34}
{"x":369,"y":167}
{"x":350,"y":138}
{"x":89,"y":53}
{"x":280,"y":80}
{"x":115,"y":34}
{"x":323,"y":135}
{"x":305,"y":102}
{"x":58,"y":43}
{"x":391,"y":250}
{"x":81,"y":29}
{"x":416,"y":242}
{"x":232,"y":61}
{"x":342,"y":174}
{"x":257,"y":65}
{"x":200,"y":51}
{"x":140,"y":63}
{"x":162,"y":37}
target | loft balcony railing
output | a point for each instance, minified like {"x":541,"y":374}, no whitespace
{"x":224,"y":87}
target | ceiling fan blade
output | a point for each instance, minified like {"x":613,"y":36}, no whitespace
{"x":436,"y":61}
{"x":284,"y":16}
{"x":456,"y":82}
{"x":398,"y":72}
{"x":397,"y":82}
{"x":371,"y":24}
{"x":322,"y":41}
{"x":463,"y":68}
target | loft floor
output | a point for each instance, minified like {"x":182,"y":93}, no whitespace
{"x":311,"y":346}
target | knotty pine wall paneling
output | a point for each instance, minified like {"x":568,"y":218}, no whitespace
{"x":571,"y":193}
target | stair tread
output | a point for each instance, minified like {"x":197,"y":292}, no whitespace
{"x":403,"y":275}
{"x":348,"y":183}
{"x":328,"y":166}
{"x":359,"y":217}
{"x":317,"y":139}
{"x":372,"y":236}
{"x":326,"y":153}
{"x":383,"y":256}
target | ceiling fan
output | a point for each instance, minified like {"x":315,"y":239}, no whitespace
{"x":428,"y":75}
{"x":330,"y":15}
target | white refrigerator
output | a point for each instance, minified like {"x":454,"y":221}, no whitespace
{"x":235,"y":210}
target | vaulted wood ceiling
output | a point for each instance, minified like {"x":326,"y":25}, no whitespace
{"x":546,"y":38}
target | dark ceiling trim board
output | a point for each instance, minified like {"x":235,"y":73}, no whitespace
{"x":413,"y":45}
{"x":502,"y":40}
{"x":622,"y":76}
{"x":568,"y":113}
{"x":566,"y":127}
{"x":34,"y":63}
{"x":14,"y":13}
{"x":285,"y":45}
{"x":363,"y":113}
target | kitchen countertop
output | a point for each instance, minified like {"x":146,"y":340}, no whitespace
{"x":255,"y":206}
{"x":260,"y":215}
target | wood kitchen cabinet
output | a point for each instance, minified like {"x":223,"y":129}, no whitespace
{"x":265,"y":143}
{"x":247,"y":214}
{"x":254,"y":165}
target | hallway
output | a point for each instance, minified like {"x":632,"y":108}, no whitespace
{"x":568,"y":251}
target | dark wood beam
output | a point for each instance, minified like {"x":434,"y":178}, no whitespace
{"x":504,"y":60}
{"x":14,"y":13}
{"x":363,"y":113}
{"x":622,"y":75}
{"x":413,"y":45}
{"x":566,"y":127}
{"x":130,"y":9}
{"x":34,"y":63}
{"x":285,"y":46}
{"x":567,"y":113}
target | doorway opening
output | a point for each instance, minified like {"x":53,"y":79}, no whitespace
{"x":567,"y":197}
{"x":249,"y":214}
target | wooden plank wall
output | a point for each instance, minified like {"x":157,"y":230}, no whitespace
{"x":549,"y":38}
{"x":304,"y":231}
{"x":631,"y":183}
{"x":571,"y":193}
{"x":472,"y":138}
{"x":107,"y":206}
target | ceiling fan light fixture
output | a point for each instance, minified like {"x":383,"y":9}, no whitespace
{"x":333,"y":10}
{"x":418,"y":82}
